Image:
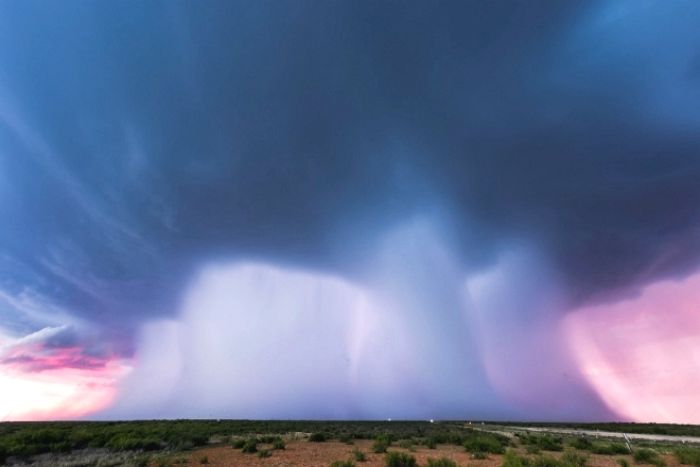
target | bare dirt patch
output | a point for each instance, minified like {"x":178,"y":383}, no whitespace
{"x":304,"y":453}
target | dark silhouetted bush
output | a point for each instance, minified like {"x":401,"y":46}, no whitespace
{"x":278,"y":444}
{"x":318,"y":437}
{"x":543,"y":442}
{"x":250,"y":446}
{"x":406,"y":444}
{"x":359,"y":455}
{"x":238,"y":443}
{"x":485,"y":442}
{"x":381,"y":443}
{"x":582,"y":443}
{"x":442,"y":462}
{"x":648,"y":456}
{"x":399,"y":459}
{"x":610,"y":449}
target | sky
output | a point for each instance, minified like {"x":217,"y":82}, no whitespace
{"x":350,"y":210}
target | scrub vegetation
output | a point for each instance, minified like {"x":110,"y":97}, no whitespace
{"x":568,"y":459}
{"x":390,"y":443}
{"x":648,"y":456}
{"x":23,"y":440}
{"x":688,"y":456}
{"x":359,"y":455}
{"x":541,"y":442}
{"x":486,"y":443}
{"x":400,"y":459}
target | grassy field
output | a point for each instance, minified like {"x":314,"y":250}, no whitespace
{"x":396,"y":443}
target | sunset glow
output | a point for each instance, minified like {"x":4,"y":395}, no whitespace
{"x":58,"y":394}
{"x":643,"y":363}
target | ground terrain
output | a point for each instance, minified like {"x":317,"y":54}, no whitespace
{"x":302,"y":453}
{"x":312,"y":443}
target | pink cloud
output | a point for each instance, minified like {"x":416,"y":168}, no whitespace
{"x":42,"y":383}
{"x":37,"y":359}
{"x":642,"y":354}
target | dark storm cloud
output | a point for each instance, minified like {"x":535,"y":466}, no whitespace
{"x":138,"y":139}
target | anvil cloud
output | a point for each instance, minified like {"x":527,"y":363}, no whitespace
{"x":352,"y":209}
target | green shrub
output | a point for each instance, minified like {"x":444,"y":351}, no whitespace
{"x":318,"y":437}
{"x":484,"y":443}
{"x":512,"y":459}
{"x":130,"y":442}
{"x":610,"y":449}
{"x":543,"y":442}
{"x":479,"y":455}
{"x":406,"y":444}
{"x":644,"y":455}
{"x":545,"y":461}
{"x":359,"y":455}
{"x":582,"y":443}
{"x":431,"y":443}
{"x":264,"y":453}
{"x":381,"y":443}
{"x":549,"y":443}
{"x":250,"y":446}
{"x":379,"y":446}
{"x":199,"y":439}
{"x":647,"y":456}
{"x":688,"y":456}
{"x":238,"y":443}
{"x":442,"y":462}
{"x":532,"y":449}
{"x":278,"y":443}
{"x":343,"y":464}
{"x":622,"y":462}
{"x":399,"y":459}
{"x":571,"y":458}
